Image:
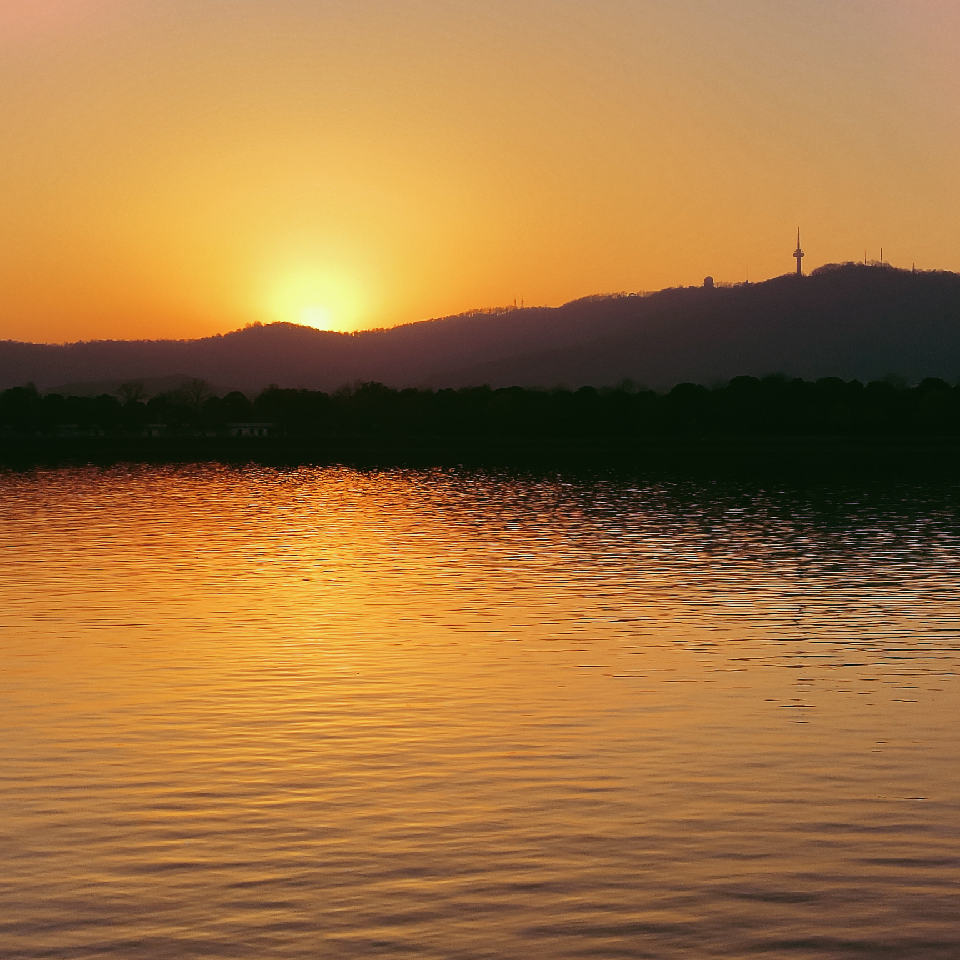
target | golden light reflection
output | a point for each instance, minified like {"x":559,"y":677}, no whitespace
{"x":336,"y":672}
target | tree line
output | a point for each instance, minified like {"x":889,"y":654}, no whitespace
{"x":771,"y":406}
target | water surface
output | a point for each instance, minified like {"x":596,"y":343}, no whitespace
{"x":256,"y":713}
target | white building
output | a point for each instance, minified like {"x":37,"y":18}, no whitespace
{"x":251,"y":429}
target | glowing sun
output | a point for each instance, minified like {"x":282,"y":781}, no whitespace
{"x":315,"y":316}
{"x":323,"y":299}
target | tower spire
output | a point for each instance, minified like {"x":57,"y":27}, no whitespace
{"x":798,"y":253}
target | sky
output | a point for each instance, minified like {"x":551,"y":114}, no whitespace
{"x":180,"y":168}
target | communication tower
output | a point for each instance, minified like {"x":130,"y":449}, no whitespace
{"x":798,"y":253}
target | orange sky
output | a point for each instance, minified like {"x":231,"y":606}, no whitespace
{"x":176,"y":168}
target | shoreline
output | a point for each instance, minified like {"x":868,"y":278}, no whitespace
{"x":806,"y":458}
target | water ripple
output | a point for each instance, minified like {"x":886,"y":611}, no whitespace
{"x":323,"y":712}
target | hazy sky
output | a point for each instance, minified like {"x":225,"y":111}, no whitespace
{"x":183,"y":167}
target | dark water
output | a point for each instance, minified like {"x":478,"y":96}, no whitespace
{"x":251,"y":713}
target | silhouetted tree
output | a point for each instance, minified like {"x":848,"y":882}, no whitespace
{"x":131,"y":391}
{"x":196,"y":390}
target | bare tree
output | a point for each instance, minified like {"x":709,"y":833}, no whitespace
{"x":131,"y":391}
{"x":197,"y":391}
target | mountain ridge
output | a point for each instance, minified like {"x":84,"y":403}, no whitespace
{"x":847,"y":320}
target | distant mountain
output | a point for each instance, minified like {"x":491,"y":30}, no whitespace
{"x":849,"y":320}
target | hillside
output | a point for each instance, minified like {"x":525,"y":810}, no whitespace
{"x":849,"y":321}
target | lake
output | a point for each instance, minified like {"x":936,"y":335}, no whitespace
{"x":324,"y":712}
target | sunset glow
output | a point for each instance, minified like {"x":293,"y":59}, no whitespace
{"x":318,"y":317}
{"x":315,"y":298}
{"x":479,"y":479}
{"x":178,"y":169}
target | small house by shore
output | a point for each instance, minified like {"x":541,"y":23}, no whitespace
{"x":252,"y":429}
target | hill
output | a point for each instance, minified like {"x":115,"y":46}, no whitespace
{"x":847,"y":321}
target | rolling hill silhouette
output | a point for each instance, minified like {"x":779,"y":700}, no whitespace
{"x":849,"y":321}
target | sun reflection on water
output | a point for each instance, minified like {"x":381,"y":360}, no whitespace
{"x":443,"y":714}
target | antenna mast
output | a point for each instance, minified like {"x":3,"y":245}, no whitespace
{"x":798,"y":253}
